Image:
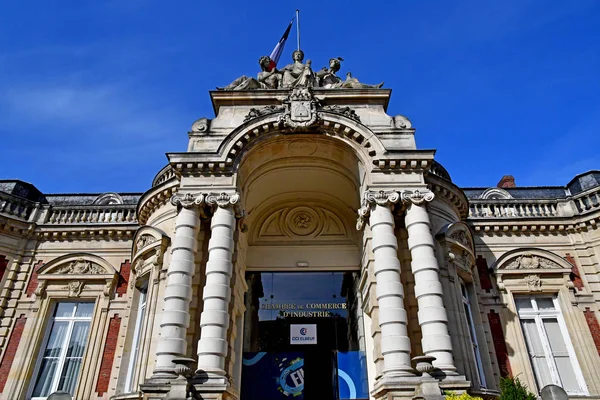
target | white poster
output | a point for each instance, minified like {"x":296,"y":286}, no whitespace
{"x":303,"y":334}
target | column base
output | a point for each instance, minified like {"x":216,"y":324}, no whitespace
{"x":395,"y":387}
{"x":399,"y":372}
{"x":166,"y":374}
{"x":155,"y":389}
{"x":418,"y":387}
{"x":210,"y":376}
{"x":442,"y":371}
{"x":214,"y":391}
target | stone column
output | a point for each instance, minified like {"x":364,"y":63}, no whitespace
{"x":395,"y":344}
{"x":432,"y":315}
{"x":175,"y":318}
{"x":214,"y":320}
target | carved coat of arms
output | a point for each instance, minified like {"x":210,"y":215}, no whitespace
{"x":301,"y":109}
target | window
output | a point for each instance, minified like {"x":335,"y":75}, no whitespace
{"x":137,"y":333}
{"x":471,"y":326}
{"x":64,"y":346}
{"x":550,"y":350}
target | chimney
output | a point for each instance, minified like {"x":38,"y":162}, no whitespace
{"x":507,"y":181}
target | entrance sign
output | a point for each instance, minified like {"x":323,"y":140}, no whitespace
{"x":303,"y":334}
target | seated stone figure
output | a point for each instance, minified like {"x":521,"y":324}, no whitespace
{"x":264,"y":80}
{"x":298,"y":74}
{"x":328,"y":79}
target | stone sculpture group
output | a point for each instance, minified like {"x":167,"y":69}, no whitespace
{"x":298,"y":75}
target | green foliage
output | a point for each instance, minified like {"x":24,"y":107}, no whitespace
{"x":513,"y":389}
{"x":464,"y":396}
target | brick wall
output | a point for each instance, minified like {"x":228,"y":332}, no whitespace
{"x":575,"y":277}
{"x":11,"y":350}
{"x":33,"y":281}
{"x":110,"y":346}
{"x":499,"y":343}
{"x":124,"y":273}
{"x":484,"y":273}
{"x":594,"y":326}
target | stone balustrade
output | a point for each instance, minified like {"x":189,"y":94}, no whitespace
{"x":107,"y":214}
{"x":15,"y":206}
{"x":581,"y":203}
{"x":512,"y":208}
{"x":587,"y":201}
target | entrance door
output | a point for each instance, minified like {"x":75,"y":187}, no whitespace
{"x":296,"y":326}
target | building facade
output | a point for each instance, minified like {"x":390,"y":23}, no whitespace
{"x":303,"y":247}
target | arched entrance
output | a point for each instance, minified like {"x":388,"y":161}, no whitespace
{"x":303,"y":333}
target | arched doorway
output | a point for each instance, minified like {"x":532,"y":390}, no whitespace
{"x":303,"y":327}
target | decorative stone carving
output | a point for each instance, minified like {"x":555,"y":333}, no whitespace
{"x":495,"y":194}
{"x":534,"y":282}
{"x":353,"y":83}
{"x":259,"y":112}
{"x":530,"y":261}
{"x":225,"y":200}
{"x":297,"y":74}
{"x":345,"y":111}
{"x":461,"y":237}
{"x":268,"y":78}
{"x":108,"y":199}
{"x":301,"y":222}
{"x":145,"y":240}
{"x":187,"y":200}
{"x":110,"y":285}
{"x":40,"y":290}
{"x":201,"y":125}
{"x":401,"y":122}
{"x":386,"y":198}
{"x":327,"y":77}
{"x":81,"y":266}
{"x":75,"y":288}
{"x":301,"y":109}
{"x":382,"y":198}
{"x":417,"y":196}
{"x":460,"y":260}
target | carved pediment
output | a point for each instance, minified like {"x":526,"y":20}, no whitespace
{"x":80,"y":267}
{"x":461,"y":237}
{"x":301,"y":223}
{"x":457,"y":233}
{"x":531,"y":261}
{"x":145,"y":240}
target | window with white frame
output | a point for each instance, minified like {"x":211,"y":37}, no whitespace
{"x":137,"y":335}
{"x":63,"y":348}
{"x":473,"y":335}
{"x":550,"y":350}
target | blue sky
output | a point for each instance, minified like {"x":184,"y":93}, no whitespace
{"x":93,"y":94}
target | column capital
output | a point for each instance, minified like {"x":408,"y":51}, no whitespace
{"x":417,"y":197}
{"x":225,"y":200}
{"x":384,"y":198}
{"x":187,"y":200}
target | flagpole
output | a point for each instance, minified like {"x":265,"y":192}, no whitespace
{"x":298,"y":27}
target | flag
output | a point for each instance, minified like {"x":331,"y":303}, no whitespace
{"x":276,"y":53}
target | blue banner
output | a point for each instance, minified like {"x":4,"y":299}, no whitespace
{"x":352,"y":375}
{"x":273,"y":376}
